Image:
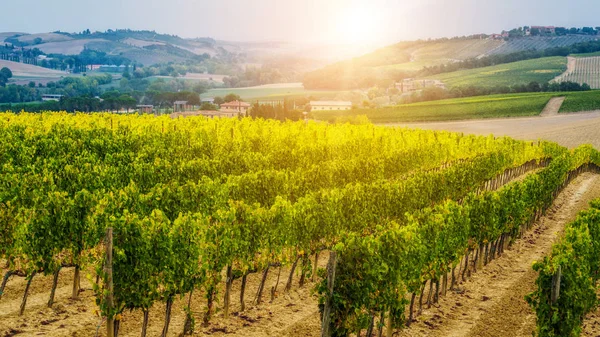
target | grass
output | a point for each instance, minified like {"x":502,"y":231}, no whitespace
{"x":581,"y":101}
{"x":586,"y":55}
{"x":522,"y":72}
{"x":495,"y":106}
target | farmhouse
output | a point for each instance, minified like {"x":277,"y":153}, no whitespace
{"x":181,"y":106}
{"x":330,"y":105}
{"x":145,"y":109}
{"x":412,"y":85}
{"x":51,"y":97}
{"x":235,"y":106}
{"x":541,"y":30}
{"x":112,"y":68}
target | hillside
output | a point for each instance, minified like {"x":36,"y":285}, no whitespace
{"x":28,"y":70}
{"x":515,"y":73}
{"x":406,"y":59}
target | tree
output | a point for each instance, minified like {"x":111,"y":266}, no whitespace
{"x":219,"y":100}
{"x":208,"y":106}
{"x":6,"y":73}
{"x":231,"y":97}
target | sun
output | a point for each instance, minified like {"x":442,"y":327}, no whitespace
{"x":357,"y":24}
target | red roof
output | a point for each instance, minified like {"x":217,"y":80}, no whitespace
{"x":236,"y":104}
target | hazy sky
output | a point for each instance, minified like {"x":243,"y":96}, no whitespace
{"x":296,"y":20}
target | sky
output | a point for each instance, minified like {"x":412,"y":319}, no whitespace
{"x":310,"y":21}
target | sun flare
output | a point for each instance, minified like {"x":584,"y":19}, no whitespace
{"x":357,"y":25}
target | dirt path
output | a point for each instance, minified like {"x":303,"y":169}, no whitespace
{"x":570,"y":130}
{"x":492,"y":302}
{"x":591,"y":323}
{"x":571,"y":64}
{"x":552,"y":107}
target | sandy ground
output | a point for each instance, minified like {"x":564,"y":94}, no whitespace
{"x":492,"y":303}
{"x":570,"y":130}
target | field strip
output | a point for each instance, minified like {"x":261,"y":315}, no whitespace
{"x":553,"y":106}
{"x":491,"y":303}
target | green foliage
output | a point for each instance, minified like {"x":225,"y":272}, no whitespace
{"x":378,"y":266}
{"x":187,"y":198}
{"x":578,"y":256}
{"x":584,"y":101}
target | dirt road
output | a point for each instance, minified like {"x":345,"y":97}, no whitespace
{"x":553,"y":106}
{"x":571,"y":64}
{"x":492,"y":302}
{"x":570,"y":130}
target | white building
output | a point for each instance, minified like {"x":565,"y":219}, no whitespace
{"x":330,"y":105}
{"x":51,"y":97}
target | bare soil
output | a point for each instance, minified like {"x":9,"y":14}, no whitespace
{"x":22,"y":69}
{"x":570,"y":130}
{"x":553,"y":106}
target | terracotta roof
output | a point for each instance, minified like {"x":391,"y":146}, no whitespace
{"x":236,"y":104}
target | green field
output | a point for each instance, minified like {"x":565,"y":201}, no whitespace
{"x":273,"y":92}
{"x":495,"y":106}
{"x":522,"y":72}
{"x":581,"y":101}
{"x":586,"y":55}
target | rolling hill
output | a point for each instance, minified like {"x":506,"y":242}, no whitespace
{"x":28,"y":70}
{"x":406,"y":59}
{"x":516,"y":73}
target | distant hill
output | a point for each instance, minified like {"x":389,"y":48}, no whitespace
{"x":406,"y":59}
{"x":28,"y":70}
{"x":144,"y":47}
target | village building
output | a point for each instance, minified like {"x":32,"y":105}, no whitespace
{"x":542,"y":30}
{"x":145,"y":109}
{"x":181,"y":106}
{"x":237,"y":106}
{"x":412,"y":85}
{"x":330,"y":105}
{"x":51,"y":97}
{"x":112,"y":68}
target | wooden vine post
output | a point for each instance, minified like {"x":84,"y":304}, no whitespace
{"x":556,"y":285}
{"x":325,"y":327}
{"x":110,"y":320}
